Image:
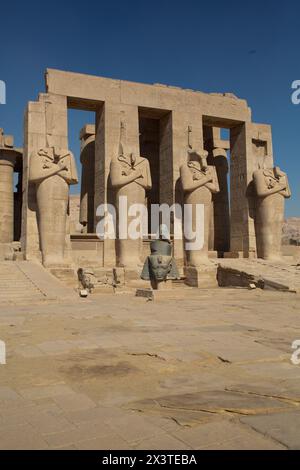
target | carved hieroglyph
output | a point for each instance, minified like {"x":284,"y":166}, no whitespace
{"x":272,"y":188}
{"x":53,"y":170}
{"x":199,"y":182}
{"x":130,"y":177}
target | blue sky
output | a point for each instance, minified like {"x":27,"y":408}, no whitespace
{"x":247,"y":48}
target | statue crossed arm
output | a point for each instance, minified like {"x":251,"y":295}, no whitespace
{"x":53,"y":161}
{"x":196,"y":174}
{"x":37,"y":174}
{"x":189,"y":184}
{"x":145,"y":181}
{"x":123,"y":172}
{"x":271,"y":181}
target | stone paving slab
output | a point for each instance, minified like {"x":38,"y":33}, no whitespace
{"x":225,"y":436}
{"x":282,"y":427}
{"x":120,"y":372}
{"x":217,"y":402}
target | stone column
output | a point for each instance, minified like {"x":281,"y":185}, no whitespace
{"x":250,"y":148}
{"x":187,"y":133}
{"x":108,"y":120}
{"x":34,"y":139}
{"x":199,"y":182}
{"x":242,"y":232}
{"x":18,"y":207}
{"x":46,"y":125}
{"x":7,"y":163}
{"x":87,"y":158}
{"x":220,"y":221}
{"x":221,"y":203}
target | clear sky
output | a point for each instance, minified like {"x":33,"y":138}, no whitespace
{"x":249,"y":48}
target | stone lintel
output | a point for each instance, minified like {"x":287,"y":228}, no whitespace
{"x":89,"y":91}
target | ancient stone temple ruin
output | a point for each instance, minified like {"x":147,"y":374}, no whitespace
{"x":154,"y":144}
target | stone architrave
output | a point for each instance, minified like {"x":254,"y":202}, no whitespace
{"x":199,"y":181}
{"x":130,"y":177}
{"x":53,"y":170}
{"x":272,"y":188}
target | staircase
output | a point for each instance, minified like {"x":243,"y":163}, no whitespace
{"x":15,"y":286}
{"x":28,"y":282}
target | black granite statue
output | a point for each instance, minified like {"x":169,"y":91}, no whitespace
{"x":160,"y":265}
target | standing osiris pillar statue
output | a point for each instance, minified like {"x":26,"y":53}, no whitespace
{"x":272,"y":188}
{"x":53,"y":170}
{"x":199,"y":181}
{"x":131,"y":178}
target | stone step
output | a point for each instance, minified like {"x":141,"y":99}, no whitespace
{"x":20,"y":291}
{"x":14,"y":297}
{"x":14,"y":283}
{"x":25,"y":281}
{"x":21,"y":300}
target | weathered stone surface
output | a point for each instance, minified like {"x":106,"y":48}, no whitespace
{"x":118,"y":359}
{"x":146,"y":293}
{"x":204,"y":276}
{"x":225,"y":436}
{"x":283,"y":428}
{"x":221,"y":402}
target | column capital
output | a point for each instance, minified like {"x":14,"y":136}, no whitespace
{"x":8,"y":156}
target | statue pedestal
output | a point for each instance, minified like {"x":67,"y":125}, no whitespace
{"x":129,"y":278}
{"x":240,"y":255}
{"x":162,"y":286}
{"x":164,"y":291}
{"x":204,"y":277}
{"x":65,"y":273}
